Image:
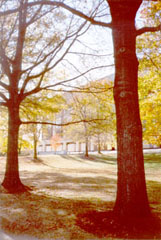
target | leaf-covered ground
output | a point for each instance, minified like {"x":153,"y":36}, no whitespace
{"x":66,"y":191}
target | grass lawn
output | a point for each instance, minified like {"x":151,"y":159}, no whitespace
{"x":65,"y":188}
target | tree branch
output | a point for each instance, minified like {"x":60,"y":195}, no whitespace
{"x":61,"y":4}
{"x":33,"y":91}
{"x":52,"y":54}
{"x":4,"y":85}
{"x":20,"y":38}
{"x":72,"y":10}
{"x":148,"y":29}
{"x":78,"y":76}
{"x":3,"y":97}
{"x":4,"y":62}
{"x":80,"y":91}
{"x":3,"y":104}
{"x":63,"y":124}
{"x":8,"y":12}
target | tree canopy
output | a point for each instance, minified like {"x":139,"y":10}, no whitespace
{"x":148,"y":48}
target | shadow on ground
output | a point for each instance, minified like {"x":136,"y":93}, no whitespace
{"x":73,"y":184}
{"x":107,"y":224}
{"x":45,"y":216}
{"x":74,"y":204}
{"x":107,"y":159}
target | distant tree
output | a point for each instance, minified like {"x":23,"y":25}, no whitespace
{"x":79,"y":110}
{"x":92,"y":104}
{"x":104,"y":109}
{"x":40,"y":108}
{"x":23,"y":144}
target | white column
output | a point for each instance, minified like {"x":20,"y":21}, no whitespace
{"x":44,"y":147}
{"x":64,"y":146}
{"x":92,"y":146}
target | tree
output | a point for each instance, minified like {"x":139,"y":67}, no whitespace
{"x":33,"y":46}
{"x":81,"y":109}
{"x":95,"y":103}
{"x":132,"y":197}
{"x":23,"y":143}
{"x":27,"y":54}
{"x":104,"y":109}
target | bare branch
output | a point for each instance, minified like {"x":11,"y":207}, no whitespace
{"x":152,"y":61}
{"x":34,"y":16}
{"x":3,"y":97}
{"x":63,"y":124}
{"x":5,"y":62}
{"x":87,"y":88}
{"x":33,"y":91}
{"x":148,"y":29}
{"x":47,"y":68}
{"x":8,"y":12}
{"x":21,"y":37}
{"x":91,"y":54}
{"x":10,"y":34}
{"x":4,"y":85}
{"x":52,"y":54}
{"x":80,"y":91}
{"x":72,"y":10}
{"x":3,"y":104}
{"x":68,"y":8}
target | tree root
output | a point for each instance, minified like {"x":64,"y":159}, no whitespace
{"x":18,"y":187}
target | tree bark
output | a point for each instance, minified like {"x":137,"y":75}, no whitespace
{"x":86,"y":147}
{"x":132,"y":197}
{"x":99,"y":144}
{"x":12,"y":180}
{"x":35,"y":147}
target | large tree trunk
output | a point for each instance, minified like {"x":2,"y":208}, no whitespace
{"x":12,"y":180}
{"x":132,"y":197}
